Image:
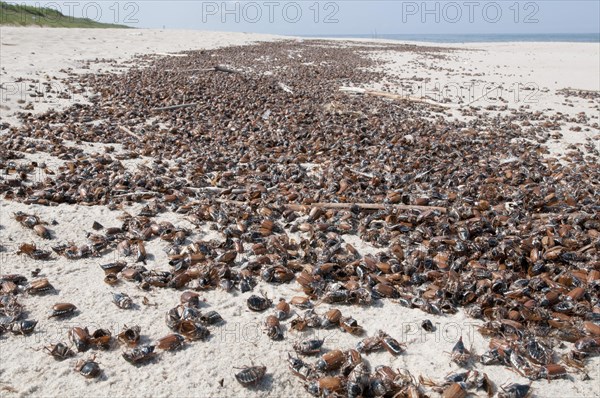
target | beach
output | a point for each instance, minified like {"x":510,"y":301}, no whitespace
{"x":547,"y":92}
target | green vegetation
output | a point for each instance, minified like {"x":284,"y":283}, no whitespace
{"x":22,"y":15}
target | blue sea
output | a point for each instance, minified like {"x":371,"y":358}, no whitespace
{"x":480,"y":38}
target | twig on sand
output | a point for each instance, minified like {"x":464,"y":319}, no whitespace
{"x":285,"y":88}
{"x":364,"y":206}
{"x":127,"y":131}
{"x":363,"y":91}
{"x":361,"y":206}
{"x":168,"y":108}
{"x":226,"y":69}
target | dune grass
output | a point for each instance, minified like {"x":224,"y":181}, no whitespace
{"x":22,"y":15}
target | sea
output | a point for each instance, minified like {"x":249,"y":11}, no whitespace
{"x":479,"y":38}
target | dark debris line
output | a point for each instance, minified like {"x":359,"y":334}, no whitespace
{"x":517,"y":245}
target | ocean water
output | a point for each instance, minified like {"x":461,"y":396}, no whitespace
{"x":481,"y":38}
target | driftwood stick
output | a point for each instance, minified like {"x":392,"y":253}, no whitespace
{"x":360,"y":173}
{"x":221,"y":190}
{"x":127,"y":131}
{"x":364,"y":206}
{"x":191,"y":70}
{"x":226,"y":69}
{"x":358,"y":90}
{"x":168,"y":108}
{"x":285,"y":88}
{"x":135,"y":194}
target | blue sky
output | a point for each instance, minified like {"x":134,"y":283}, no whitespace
{"x":345,"y":17}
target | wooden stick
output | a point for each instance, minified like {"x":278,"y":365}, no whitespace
{"x":168,"y":108}
{"x":226,"y":69}
{"x":127,"y":131}
{"x":285,"y":88}
{"x":358,"y":90}
{"x":192,"y":70}
{"x":363,"y":206}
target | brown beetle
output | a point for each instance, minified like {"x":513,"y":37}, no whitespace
{"x":331,"y":360}
{"x":273,"y":328}
{"x":61,"y":310}
{"x":331,"y":318}
{"x":42,"y":231}
{"x":190,"y":298}
{"x":282,"y":310}
{"x":455,"y":390}
{"x":80,"y":337}
{"x":301,"y":302}
{"x":331,"y":384}
{"x":170,"y":342}
{"x":40,"y":286}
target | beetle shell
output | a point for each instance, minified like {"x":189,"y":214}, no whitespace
{"x":24,"y":327}
{"x":455,"y":390}
{"x":211,"y":318}
{"x":308,"y":347}
{"x":299,"y":367}
{"x":122,"y":300}
{"x":351,"y":326}
{"x":324,"y":386}
{"x":113,"y":268}
{"x":331,"y":360}
{"x":251,"y":375}
{"x":192,"y":330}
{"x":588,"y":345}
{"x":392,"y":345}
{"x":80,"y":337}
{"x":101,"y":338}
{"x":62,"y":310}
{"x":282,"y":310}
{"x":273,"y":328}
{"x":427,"y":325}
{"x":40,"y":286}
{"x":170,"y":342}
{"x":515,"y":391}
{"x":190,"y":298}
{"x":130,"y":336}
{"x":111,"y":279}
{"x":88,"y":368}
{"x":552,"y":371}
{"x":59,"y":351}
{"x":42,"y":231}
{"x":369,"y":344}
{"x":258,"y":304}
{"x":139,"y":354}
{"x":301,"y":302}
{"x":331,"y":318}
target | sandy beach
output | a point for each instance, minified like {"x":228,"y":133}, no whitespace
{"x":473,"y":84}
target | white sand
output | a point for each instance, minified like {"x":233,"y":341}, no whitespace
{"x":197,"y":369}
